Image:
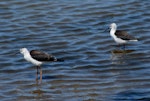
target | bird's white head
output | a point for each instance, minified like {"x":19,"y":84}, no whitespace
{"x":113,"y":26}
{"x":24,"y":51}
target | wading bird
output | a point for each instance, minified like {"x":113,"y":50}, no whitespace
{"x":37,"y":58}
{"x":121,"y":37}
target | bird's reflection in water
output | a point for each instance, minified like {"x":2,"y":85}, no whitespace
{"x":38,"y":91}
{"x":119,"y":56}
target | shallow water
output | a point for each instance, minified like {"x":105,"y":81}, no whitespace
{"x":75,"y":31}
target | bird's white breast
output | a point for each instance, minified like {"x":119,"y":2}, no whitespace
{"x":117,"y":40}
{"x":30,"y":59}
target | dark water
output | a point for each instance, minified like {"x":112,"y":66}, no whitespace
{"x":74,"y":30}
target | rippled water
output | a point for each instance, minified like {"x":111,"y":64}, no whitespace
{"x":74,"y":30}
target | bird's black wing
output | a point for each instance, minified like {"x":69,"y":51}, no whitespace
{"x":42,"y":56}
{"x":124,"y":35}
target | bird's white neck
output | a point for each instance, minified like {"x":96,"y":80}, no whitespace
{"x":27,"y":56}
{"x":112,"y":32}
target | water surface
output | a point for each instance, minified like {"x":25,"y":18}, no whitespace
{"x":74,"y":30}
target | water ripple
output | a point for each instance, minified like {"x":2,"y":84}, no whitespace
{"x":74,"y":31}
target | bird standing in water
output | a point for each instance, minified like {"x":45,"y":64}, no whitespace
{"x":121,"y":37}
{"x":37,"y":58}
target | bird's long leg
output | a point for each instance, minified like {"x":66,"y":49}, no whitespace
{"x":37,"y":68}
{"x":40,"y":74}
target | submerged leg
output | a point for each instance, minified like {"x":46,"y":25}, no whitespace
{"x":40,"y":75}
{"x":37,"y":72}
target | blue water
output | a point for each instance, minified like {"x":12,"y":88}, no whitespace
{"x":93,"y":69}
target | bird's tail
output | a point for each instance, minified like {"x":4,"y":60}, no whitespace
{"x":60,"y":60}
{"x":57,"y":59}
